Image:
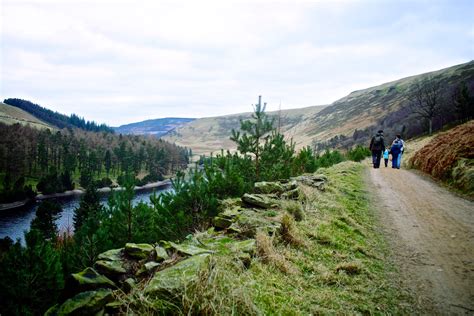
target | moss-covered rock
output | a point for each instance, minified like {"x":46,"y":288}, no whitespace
{"x":260,"y":200}
{"x":86,"y":303}
{"x":138,"y":251}
{"x":294,"y":194}
{"x":110,"y":268}
{"x":90,"y":279}
{"x":221,"y":222}
{"x":268,"y":187}
{"x":178,"y":276}
{"x":244,"y":246}
{"x":313,"y":180}
{"x":250,"y":221}
{"x":188,"y":249}
{"x":128,"y":285}
{"x":291,"y":185}
{"x":111,"y":255}
{"x":161,"y":254}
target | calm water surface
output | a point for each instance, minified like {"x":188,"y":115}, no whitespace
{"x":14,"y":222}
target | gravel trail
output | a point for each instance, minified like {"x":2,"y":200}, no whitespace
{"x":431,"y":232}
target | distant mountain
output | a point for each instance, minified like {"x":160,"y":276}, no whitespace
{"x":211,"y":134}
{"x":342,"y":124}
{"x":156,"y":127}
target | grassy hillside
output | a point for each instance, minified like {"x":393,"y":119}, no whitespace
{"x":348,"y":121}
{"x":211,"y":134}
{"x":11,"y":115}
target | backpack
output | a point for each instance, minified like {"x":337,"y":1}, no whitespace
{"x":396,"y":147}
{"x":378,"y":140}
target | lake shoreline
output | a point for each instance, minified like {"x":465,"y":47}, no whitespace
{"x":41,"y":197}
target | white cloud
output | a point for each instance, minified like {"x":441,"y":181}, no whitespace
{"x":120,"y":61}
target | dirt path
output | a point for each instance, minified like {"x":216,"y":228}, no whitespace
{"x":431,"y":232}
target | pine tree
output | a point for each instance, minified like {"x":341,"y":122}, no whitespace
{"x":255,"y":131}
{"x":45,"y":221}
{"x":89,"y":207}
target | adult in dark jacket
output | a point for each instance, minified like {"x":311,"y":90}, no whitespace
{"x":396,"y":151}
{"x":377,"y":145}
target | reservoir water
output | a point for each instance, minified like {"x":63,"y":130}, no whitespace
{"x":14,"y":222}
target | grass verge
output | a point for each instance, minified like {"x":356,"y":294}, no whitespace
{"x":338,"y":266}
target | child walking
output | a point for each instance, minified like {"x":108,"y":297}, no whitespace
{"x":385,"y":156}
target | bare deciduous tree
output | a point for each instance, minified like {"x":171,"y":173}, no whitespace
{"x":426,"y":99}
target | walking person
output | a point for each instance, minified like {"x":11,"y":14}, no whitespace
{"x":395,"y":150}
{"x":385,"y":156}
{"x":402,"y":149}
{"x":377,"y":145}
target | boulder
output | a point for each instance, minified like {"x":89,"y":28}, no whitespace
{"x":230,"y":213}
{"x":161,"y":254}
{"x":249,"y":222}
{"x":290,"y":185}
{"x":90,"y":279}
{"x":138,"y":251}
{"x":189,"y":250}
{"x":260,"y":200}
{"x":86,"y":303}
{"x":268,"y":187}
{"x":292,"y":194}
{"x":110,"y":268}
{"x":111,"y":255}
{"x":316,"y":181}
{"x":147,"y":268}
{"x":128,"y":285}
{"x":176,"y":277}
{"x":221,"y":222}
{"x":245,"y":246}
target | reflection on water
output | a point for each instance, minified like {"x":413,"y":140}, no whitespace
{"x":14,"y":222}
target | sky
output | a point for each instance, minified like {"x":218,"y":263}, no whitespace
{"x":118,"y":61}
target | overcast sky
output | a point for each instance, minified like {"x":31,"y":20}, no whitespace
{"x":125,"y":61}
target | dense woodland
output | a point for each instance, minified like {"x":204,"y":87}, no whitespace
{"x":57,"y":160}
{"x":33,"y":278}
{"x":57,"y":119}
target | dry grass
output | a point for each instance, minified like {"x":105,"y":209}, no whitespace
{"x":289,"y":233}
{"x":349,"y":267}
{"x":295,"y":209}
{"x":268,"y":254}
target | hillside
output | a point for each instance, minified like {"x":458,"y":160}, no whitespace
{"x":210,"y":134}
{"x":347,"y":121}
{"x":156,"y":127}
{"x":57,"y":119}
{"x":449,"y":157}
{"x":11,"y":115}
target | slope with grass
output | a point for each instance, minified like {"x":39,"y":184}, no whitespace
{"x":310,"y":247}
{"x":12,"y":115}
{"x":348,"y":121}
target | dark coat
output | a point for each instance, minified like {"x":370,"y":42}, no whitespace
{"x":377,"y":147}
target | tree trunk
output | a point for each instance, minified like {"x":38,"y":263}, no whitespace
{"x":431,"y":126}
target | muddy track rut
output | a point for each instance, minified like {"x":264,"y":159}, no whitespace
{"x":431,"y":233}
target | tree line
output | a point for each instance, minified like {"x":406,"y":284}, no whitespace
{"x":57,"y":119}
{"x":51,"y":160}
